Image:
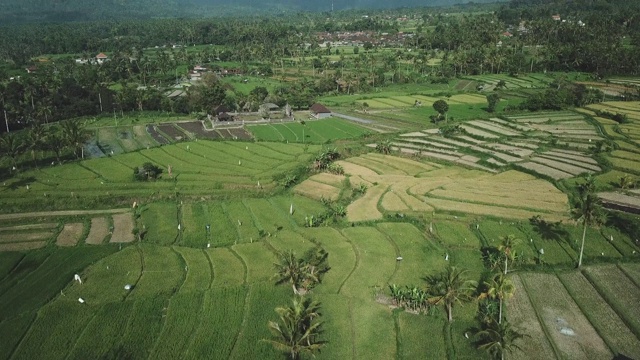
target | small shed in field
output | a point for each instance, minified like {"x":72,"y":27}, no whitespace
{"x":319,"y":111}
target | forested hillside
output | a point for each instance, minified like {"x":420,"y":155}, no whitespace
{"x":17,"y":11}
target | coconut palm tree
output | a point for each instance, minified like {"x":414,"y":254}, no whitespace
{"x":500,"y":288}
{"x":11,"y":146}
{"x":498,"y":339}
{"x":588,"y":210}
{"x":450,"y":287}
{"x":298,"y":331}
{"x":506,"y":247}
{"x":74,"y":135}
{"x":298,"y":272}
{"x":36,"y":137}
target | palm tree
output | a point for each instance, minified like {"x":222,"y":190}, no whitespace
{"x":507,"y":249}
{"x":36,"y":138}
{"x":11,"y":146}
{"x":298,"y":330}
{"x":588,"y":210}
{"x":298,"y":272}
{"x":498,"y":338}
{"x":74,"y":135}
{"x":449,"y":287}
{"x":501,"y":288}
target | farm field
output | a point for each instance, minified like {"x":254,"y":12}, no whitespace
{"x":196,"y":167}
{"x":312,"y":131}
{"x":183,"y":267}
{"x":402,"y":185}
{"x":520,"y":141}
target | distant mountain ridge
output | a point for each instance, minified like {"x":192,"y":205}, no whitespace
{"x":17,"y":11}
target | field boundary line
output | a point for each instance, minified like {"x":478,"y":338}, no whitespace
{"x":244,"y":265}
{"x":178,"y":238}
{"x":354,"y":352}
{"x":254,"y":218}
{"x":183,"y":261}
{"x":13,"y":268}
{"x":141,"y":253}
{"x":226,"y":214}
{"x":2,"y":293}
{"x":446,"y":332}
{"x":626,"y":273}
{"x":355,"y":266}
{"x":62,"y":213}
{"x":395,"y":246}
{"x":536,"y":311}
{"x":587,"y":314}
{"x":211,"y":268}
{"x":205,"y":296}
{"x":396,"y":328}
{"x":245,"y":316}
{"x":84,"y":330}
{"x":29,"y":329}
{"x":612,"y":304}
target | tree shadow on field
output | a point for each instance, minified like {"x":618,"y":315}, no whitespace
{"x":22,"y":182}
{"x":549,"y":230}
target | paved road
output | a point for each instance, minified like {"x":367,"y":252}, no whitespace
{"x":352,"y":118}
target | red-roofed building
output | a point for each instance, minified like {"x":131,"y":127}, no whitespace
{"x":100,"y":58}
{"x":319,"y":111}
{"x":556,"y":17}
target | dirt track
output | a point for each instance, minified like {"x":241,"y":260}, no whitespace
{"x":60,"y":213}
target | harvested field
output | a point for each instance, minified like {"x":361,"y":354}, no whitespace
{"x":59,"y":213}
{"x":512,"y":150}
{"x":143,"y":137}
{"x":366,"y":207}
{"x":353,"y":169}
{"x":619,"y":199}
{"x":237,"y":133}
{"x":613,"y":329}
{"x":479,"y":209}
{"x":122,"y":228}
{"x":619,"y":291}
{"x":486,"y":125}
{"x":173,"y":132}
{"x":70,"y":234}
{"x":22,"y":246}
{"x":572,"y":156}
{"x":153,"y":131}
{"x":478,"y":132}
{"x":98,"y":231}
{"x":317,"y":190}
{"x":520,"y":311}
{"x":579,"y":165}
{"x":569,"y":329}
{"x":197,"y":128}
{"x":20,"y":237}
{"x":392,"y":202}
{"x":545,"y":170}
{"x":329,"y":179}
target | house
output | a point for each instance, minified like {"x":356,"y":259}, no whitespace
{"x":100,"y":58}
{"x":31,"y":69}
{"x":319,"y":111}
{"x":507,"y":34}
{"x":220,"y":109}
{"x":555,"y":17}
{"x":224,"y":117}
{"x":271,"y":106}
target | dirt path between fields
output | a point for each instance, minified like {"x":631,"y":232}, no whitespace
{"x":60,"y":213}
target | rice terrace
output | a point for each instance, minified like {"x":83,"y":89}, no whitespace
{"x":261,"y":181}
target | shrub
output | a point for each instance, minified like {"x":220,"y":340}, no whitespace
{"x":147,"y":172}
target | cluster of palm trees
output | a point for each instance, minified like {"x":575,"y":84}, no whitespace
{"x":299,"y":328}
{"x":69,"y":135}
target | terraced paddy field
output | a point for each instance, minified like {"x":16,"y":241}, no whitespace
{"x":312,"y":131}
{"x":520,"y":141}
{"x":403,"y":185}
{"x":198,"y":168}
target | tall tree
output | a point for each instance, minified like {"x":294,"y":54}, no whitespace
{"x":442,"y":108}
{"x":298,"y":272}
{"x":499,"y":288}
{"x":506,"y":248}
{"x":11,"y":146}
{"x":587,"y":210}
{"x":450,"y":287}
{"x":36,"y":136}
{"x":299,"y":329}
{"x":498,"y":338}
{"x":74,"y":136}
